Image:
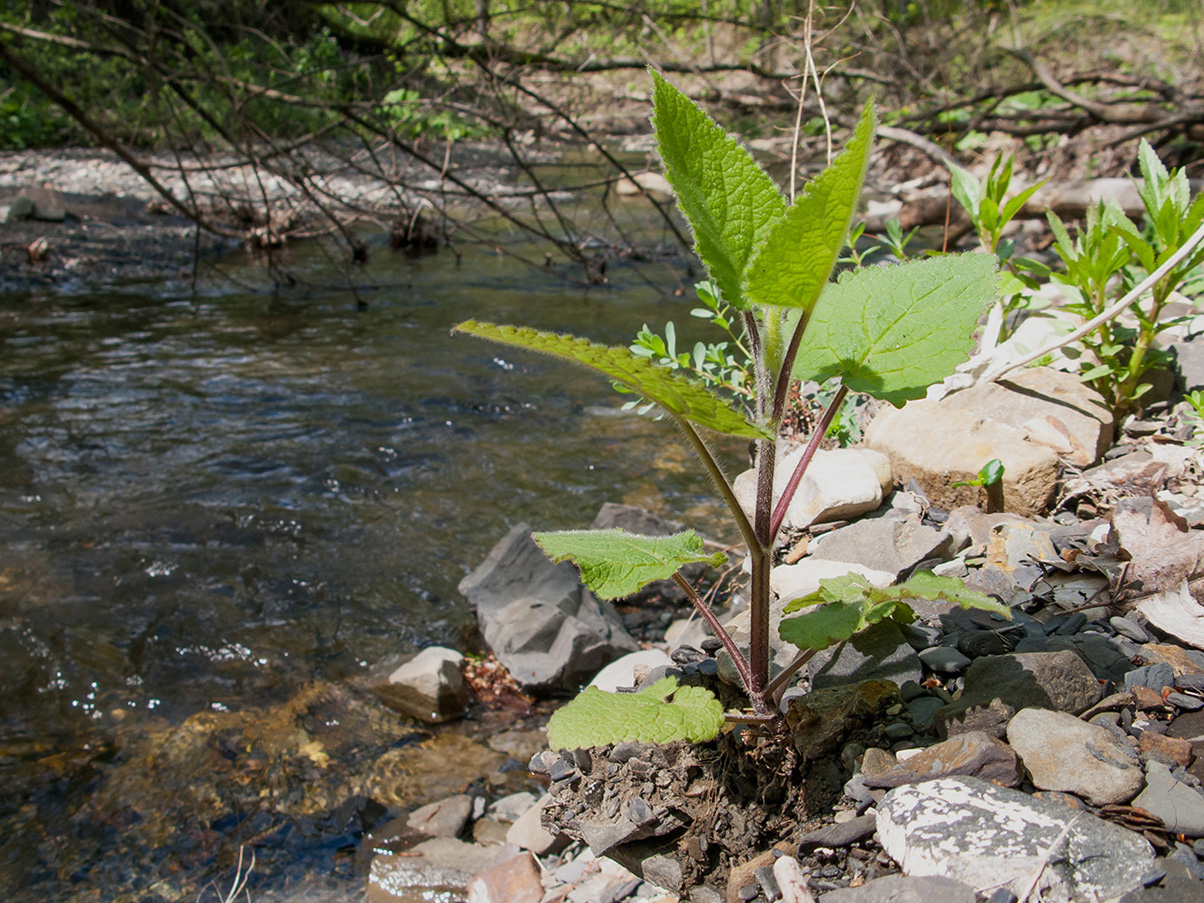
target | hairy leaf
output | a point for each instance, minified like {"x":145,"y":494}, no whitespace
{"x":615,"y":563}
{"x":793,"y":261}
{"x":844,"y":606}
{"x":673,"y":392}
{"x":661,"y":713}
{"x":726,"y":196}
{"x":893,"y":331}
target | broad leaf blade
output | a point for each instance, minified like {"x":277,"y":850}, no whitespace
{"x":793,"y":261}
{"x":661,"y":713}
{"x":893,"y":331}
{"x":673,"y":392}
{"x":726,"y":196}
{"x":842,"y":607}
{"x":615,"y":563}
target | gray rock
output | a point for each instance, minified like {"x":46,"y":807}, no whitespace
{"x":998,"y":686}
{"x":1154,"y":677}
{"x":890,"y":544}
{"x":1060,"y":752}
{"x":430,"y":686}
{"x":1127,"y":627}
{"x":1177,"y":885}
{"x":987,"y":836}
{"x":944,"y":660}
{"x":1188,"y":365}
{"x":903,"y":889}
{"x":510,"y":808}
{"x":923,"y":709}
{"x":48,"y":205}
{"x":18,"y":208}
{"x":528,"y":833}
{"x":551,"y":633}
{"x":1180,"y":806}
{"x":880,"y":653}
{"x":841,"y":834}
{"x":432,"y":867}
{"x":1102,"y":654}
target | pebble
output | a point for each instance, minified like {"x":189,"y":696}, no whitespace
{"x":1128,"y":628}
{"x":944,"y":660}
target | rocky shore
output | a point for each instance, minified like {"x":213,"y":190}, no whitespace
{"x":1058,"y":755}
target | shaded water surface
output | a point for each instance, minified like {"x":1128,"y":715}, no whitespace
{"x":212,"y":505}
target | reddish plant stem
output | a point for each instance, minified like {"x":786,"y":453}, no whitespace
{"x":796,"y":477}
{"x":719,"y":630}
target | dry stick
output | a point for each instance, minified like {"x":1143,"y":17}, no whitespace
{"x":1110,"y":313}
{"x":1045,"y":860}
{"x":779,"y":682}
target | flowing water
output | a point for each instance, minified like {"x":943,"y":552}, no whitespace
{"x":210,"y":502}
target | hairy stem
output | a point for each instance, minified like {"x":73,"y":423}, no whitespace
{"x":779,"y":513}
{"x":719,"y":630}
{"x":721,"y":483}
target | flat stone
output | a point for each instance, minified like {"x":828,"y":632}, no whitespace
{"x":1178,"y":885}
{"x":888,"y":544}
{"x":442,"y":818}
{"x":998,"y":686}
{"x":621,"y":672}
{"x":439,"y":866}
{"x":879,"y":653}
{"x":1180,"y":806}
{"x":1060,"y":752}
{"x":840,"y":834}
{"x":511,"y":807}
{"x":430,"y":687}
{"x":17,"y":209}
{"x":904,"y":889}
{"x":970,"y":830}
{"x":514,"y":880}
{"x":973,"y":754}
{"x":1170,"y":751}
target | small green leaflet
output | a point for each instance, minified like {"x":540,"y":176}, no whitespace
{"x":792,"y":263}
{"x":661,"y":713}
{"x":850,"y":604}
{"x":728,"y":199}
{"x":673,"y":392}
{"x":892,"y":331}
{"x":615,"y":563}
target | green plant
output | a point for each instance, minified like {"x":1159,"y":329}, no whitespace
{"x":887,"y":331}
{"x":991,"y":479}
{"x":1110,"y":245}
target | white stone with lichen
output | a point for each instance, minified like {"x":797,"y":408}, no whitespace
{"x":988,"y":836}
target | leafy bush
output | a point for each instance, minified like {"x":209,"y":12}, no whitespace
{"x":886,"y":331}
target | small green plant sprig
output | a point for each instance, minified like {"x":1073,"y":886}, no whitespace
{"x":1110,"y":245}
{"x":989,"y":478}
{"x":991,"y":210}
{"x":889,"y":332}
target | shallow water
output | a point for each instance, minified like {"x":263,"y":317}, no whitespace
{"x":207,"y":501}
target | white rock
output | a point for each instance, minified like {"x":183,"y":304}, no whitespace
{"x":621,"y":672}
{"x":790,"y":581}
{"x":839,"y":484}
{"x":988,"y":836}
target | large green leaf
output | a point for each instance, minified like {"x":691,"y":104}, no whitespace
{"x":673,"y":392}
{"x":892,"y":331}
{"x":844,"y":606}
{"x":792,"y":263}
{"x":726,"y":196}
{"x":661,"y":713}
{"x":615,"y":563}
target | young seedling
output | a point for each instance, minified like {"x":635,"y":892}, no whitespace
{"x":991,"y":479}
{"x":887,"y":331}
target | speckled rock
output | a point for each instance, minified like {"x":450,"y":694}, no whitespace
{"x":987,"y":836}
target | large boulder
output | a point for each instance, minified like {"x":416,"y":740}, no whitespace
{"x":1027,"y":421}
{"x":550,"y":632}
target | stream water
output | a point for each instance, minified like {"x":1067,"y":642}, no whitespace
{"x":210,"y":502}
